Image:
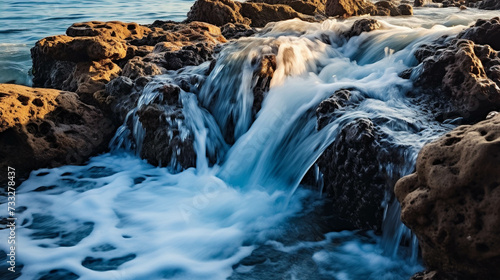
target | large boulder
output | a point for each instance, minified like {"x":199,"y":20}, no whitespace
{"x":489,"y":5}
{"x":48,"y":128}
{"x":221,"y":12}
{"x":307,"y":7}
{"x":484,"y":32}
{"x":452,"y":202}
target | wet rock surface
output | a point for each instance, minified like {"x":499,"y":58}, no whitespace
{"x":452,"y":201}
{"x":464,"y":72}
{"x":48,"y":128}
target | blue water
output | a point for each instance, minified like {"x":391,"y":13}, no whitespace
{"x":22,"y":23}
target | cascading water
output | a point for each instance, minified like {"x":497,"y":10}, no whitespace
{"x":244,"y":216}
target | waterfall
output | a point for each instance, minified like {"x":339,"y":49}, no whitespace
{"x":238,"y":211}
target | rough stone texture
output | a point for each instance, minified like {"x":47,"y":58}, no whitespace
{"x":221,"y":12}
{"x":262,"y":74}
{"x":48,"y":128}
{"x":236,"y":31}
{"x":164,"y":144}
{"x":468,"y":74}
{"x":484,"y":32}
{"x":348,"y":8}
{"x":307,"y":7}
{"x":95,"y":53}
{"x":363,"y":25}
{"x":452,"y":202}
{"x":418,"y":3}
{"x":405,"y":10}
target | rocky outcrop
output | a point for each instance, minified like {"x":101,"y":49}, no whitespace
{"x":349,"y":8}
{"x":484,"y":32}
{"x":94,"y":53}
{"x":307,"y":7}
{"x":48,"y":128}
{"x":221,"y":12}
{"x":452,"y":202}
{"x":489,"y":5}
{"x":465,"y":73}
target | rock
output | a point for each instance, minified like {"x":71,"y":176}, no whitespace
{"x":167,"y":141}
{"x":484,"y":32}
{"x":117,"y":29}
{"x":405,"y":10}
{"x":489,"y":5}
{"x":98,"y":51}
{"x":418,"y":3}
{"x":48,"y":128}
{"x":348,"y":8}
{"x":363,"y":25}
{"x":452,"y":202}
{"x":80,"y":48}
{"x":308,"y":7}
{"x":217,"y":12}
{"x":263,"y":73}
{"x":387,"y":8}
{"x":468,"y":75}
{"x":352,"y":175}
{"x":137,"y":67}
{"x":236,"y":31}
{"x":220,"y":12}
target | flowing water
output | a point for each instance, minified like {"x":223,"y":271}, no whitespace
{"x":245,"y":217}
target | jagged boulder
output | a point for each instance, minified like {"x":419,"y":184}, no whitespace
{"x":489,"y":5}
{"x":48,"y":128}
{"x":466,"y":74}
{"x":363,"y":25}
{"x":452,"y":202}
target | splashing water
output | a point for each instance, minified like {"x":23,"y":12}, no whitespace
{"x":121,"y":218}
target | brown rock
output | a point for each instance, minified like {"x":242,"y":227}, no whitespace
{"x":452,"y":202}
{"x":308,"y":7}
{"x":48,"y":128}
{"x":348,"y":8}
{"x":405,"y":10}
{"x":217,"y":12}
{"x":80,"y":48}
{"x":220,"y":12}
{"x":89,"y":77}
{"x":116,"y":29}
{"x":238,"y":30}
{"x":137,"y":67}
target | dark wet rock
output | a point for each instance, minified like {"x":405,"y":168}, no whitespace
{"x":489,"y":5}
{"x":452,"y":200}
{"x":468,"y":75}
{"x":236,"y":31}
{"x":405,"y":10}
{"x":352,"y":175}
{"x":221,"y":12}
{"x":387,"y":8}
{"x":263,"y":74}
{"x":308,"y":7}
{"x":48,"y":128}
{"x":167,"y":141}
{"x":484,"y":32}
{"x":418,"y":3}
{"x":188,"y":56}
{"x":363,"y":25}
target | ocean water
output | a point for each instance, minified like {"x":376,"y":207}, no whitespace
{"x":247,"y":217}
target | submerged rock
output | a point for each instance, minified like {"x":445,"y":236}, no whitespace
{"x":48,"y":128}
{"x":452,"y":202}
{"x":363,"y":25}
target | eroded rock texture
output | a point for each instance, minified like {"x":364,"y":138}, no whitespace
{"x":464,"y":72}
{"x":452,"y":202}
{"x":48,"y":128}
{"x":94,"y":53}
